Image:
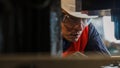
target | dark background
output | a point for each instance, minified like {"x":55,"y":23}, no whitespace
{"x":100,"y":4}
{"x":25,"y":24}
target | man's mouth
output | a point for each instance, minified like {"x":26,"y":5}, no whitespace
{"x":75,"y":35}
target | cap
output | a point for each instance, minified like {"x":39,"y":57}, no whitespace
{"x":70,"y":7}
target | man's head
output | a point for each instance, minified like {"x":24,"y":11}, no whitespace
{"x":72,"y":27}
{"x":73,"y":22}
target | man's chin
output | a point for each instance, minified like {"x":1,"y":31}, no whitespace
{"x":73,"y":40}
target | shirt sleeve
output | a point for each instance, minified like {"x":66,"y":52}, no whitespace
{"x":95,"y":43}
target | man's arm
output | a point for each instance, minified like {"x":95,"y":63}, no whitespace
{"x":95,"y":43}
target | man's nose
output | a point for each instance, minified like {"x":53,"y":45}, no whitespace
{"x":78,"y":27}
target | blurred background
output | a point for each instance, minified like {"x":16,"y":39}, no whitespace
{"x":33,"y":26}
{"x":30,"y":29}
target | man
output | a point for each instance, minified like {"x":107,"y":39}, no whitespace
{"x":79,"y":35}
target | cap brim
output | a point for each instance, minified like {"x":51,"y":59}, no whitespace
{"x":79,"y":15}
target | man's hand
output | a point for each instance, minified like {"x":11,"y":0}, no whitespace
{"x":78,"y":54}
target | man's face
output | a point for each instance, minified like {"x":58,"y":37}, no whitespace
{"x":72,"y":28}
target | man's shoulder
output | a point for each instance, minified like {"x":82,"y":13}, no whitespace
{"x":91,"y":26}
{"x":92,"y":30}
